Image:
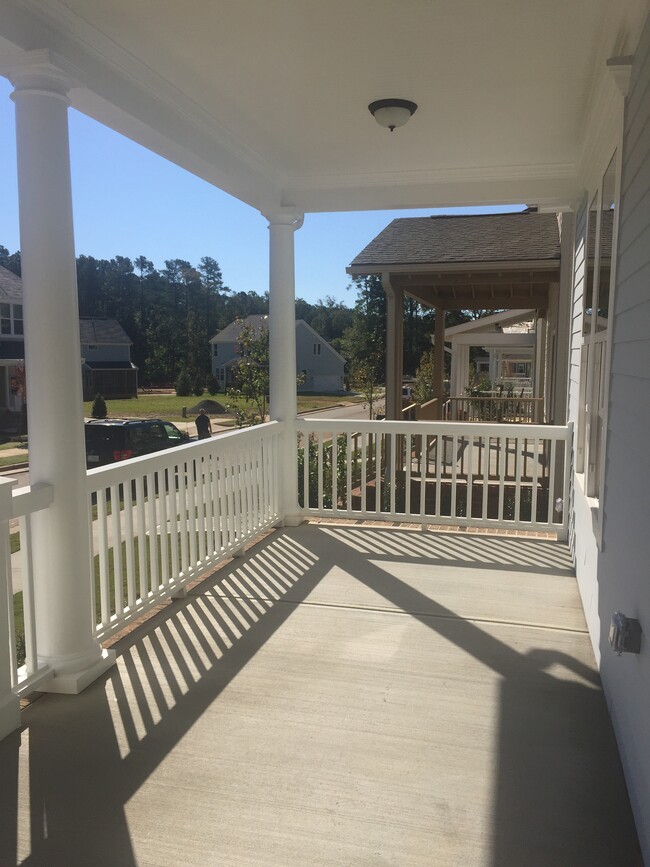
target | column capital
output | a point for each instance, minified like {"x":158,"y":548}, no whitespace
{"x":285,"y":217}
{"x":39,"y":71}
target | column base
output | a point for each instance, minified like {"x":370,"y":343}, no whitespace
{"x":9,"y":715}
{"x":75,"y":682}
{"x":292,"y":520}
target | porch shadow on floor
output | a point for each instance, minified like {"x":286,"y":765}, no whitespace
{"x":343,"y":695}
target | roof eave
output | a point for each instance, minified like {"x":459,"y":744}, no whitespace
{"x":454,"y":267}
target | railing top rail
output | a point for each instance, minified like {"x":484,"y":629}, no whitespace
{"x":116,"y":473}
{"x":32,"y":499}
{"x":446,"y":428}
{"x":496,"y":399}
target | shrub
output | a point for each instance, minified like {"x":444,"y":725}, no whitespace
{"x":197,"y":386}
{"x":99,"y":407}
{"x":183,"y":384}
{"x":213,"y":384}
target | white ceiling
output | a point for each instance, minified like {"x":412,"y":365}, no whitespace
{"x":268,"y":98}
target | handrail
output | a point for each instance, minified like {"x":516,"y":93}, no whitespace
{"x":498,"y":475}
{"x":162,"y":520}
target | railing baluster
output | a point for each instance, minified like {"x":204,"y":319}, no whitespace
{"x":503,"y":449}
{"x":182,"y":512}
{"x":192,"y":512}
{"x":551,"y":483}
{"x":319,"y":446}
{"x":199,"y":487}
{"x":116,"y":527}
{"x":348,"y":471}
{"x":533,"y":498}
{"x":391,"y":468}
{"x":104,"y":587}
{"x":486,"y":442}
{"x":408,"y":452}
{"x":152,"y":520}
{"x":378,"y":449}
{"x":335,"y":464}
{"x":129,"y":545}
{"x":518,"y":475}
{"x":29,"y":612}
{"x":142,"y":536}
{"x":162,"y":479}
{"x":364,"y":475}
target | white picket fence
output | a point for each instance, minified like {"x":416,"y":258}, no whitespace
{"x":162,"y":520}
{"x":478,"y":475}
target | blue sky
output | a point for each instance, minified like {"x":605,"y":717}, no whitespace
{"x":129,"y":202}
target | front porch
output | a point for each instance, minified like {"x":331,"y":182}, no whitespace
{"x":351,"y":694}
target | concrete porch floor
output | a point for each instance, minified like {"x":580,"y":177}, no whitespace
{"x":350,"y":695}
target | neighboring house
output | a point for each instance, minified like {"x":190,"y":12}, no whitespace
{"x":507,"y":263}
{"x":319,"y":365}
{"x":105,"y":352}
{"x":107,"y":368}
{"x":509,"y":338}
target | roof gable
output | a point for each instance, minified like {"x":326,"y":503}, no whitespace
{"x":11,"y":287}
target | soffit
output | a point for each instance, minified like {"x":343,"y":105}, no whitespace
{"x":280,"y":90}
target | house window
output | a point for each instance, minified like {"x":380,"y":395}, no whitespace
{"x":11,"y":319}
{"x":216,"y":350}
{"x":316,"y":348}
{"x":594,"y":360}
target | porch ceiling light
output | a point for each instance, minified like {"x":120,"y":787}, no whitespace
{"x":392,"y":113}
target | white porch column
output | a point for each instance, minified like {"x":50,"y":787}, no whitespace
{"x":61,"y":550}
{"x":282,"y":351}
{"x":394,"y":348}
{"x":459,"y":369}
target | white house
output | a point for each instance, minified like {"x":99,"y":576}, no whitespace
{"x":318,"y":364}
{"x":543,"y":103}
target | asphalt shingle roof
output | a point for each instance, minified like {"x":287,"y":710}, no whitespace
{"x":11,"y":287}
{"x":462,"y":239}
{"x":92,"y":330}
{"x":96,"y":331}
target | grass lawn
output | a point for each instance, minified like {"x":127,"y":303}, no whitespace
{"x":13,"y":459}
{"x":170,"y":407}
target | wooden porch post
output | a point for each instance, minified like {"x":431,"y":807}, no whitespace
{"x":439,"y":359}
{"x":394,"y":347}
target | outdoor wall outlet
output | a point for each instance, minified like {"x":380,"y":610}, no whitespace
{"x":624,"y":634}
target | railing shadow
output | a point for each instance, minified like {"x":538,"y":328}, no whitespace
{"x":89,"y":756}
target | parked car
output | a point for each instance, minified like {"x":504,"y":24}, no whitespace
{"x":110,"y":440}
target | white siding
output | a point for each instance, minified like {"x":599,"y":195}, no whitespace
{"x":623,"y":578}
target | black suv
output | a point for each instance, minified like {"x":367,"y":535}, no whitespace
{"x":109,"y":440}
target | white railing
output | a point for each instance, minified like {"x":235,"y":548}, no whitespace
{"x":436,"y":472}
{"x":503,"y":410}
{"x":160,"y":521}
{"x":20,"y":672}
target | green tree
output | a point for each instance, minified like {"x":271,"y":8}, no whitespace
{"x":363,"y":344}
{"x":252,"y":374}
{"x":363,"y":378}
{"x":424,"y":384}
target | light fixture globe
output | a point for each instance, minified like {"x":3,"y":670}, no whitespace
{"x":392,"y":113}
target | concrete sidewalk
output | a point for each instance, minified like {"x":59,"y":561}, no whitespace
{"x":350,"y":695}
